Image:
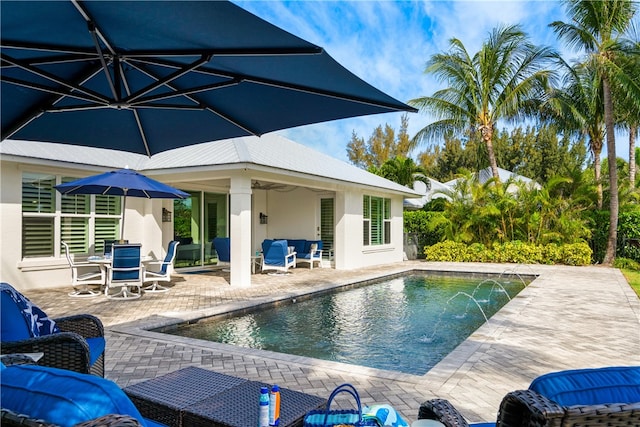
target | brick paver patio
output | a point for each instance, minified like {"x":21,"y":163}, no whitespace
{"x":569,"y":317}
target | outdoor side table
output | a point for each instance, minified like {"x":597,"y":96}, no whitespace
{"x":238,"y":407}
{"x":164,"y":398}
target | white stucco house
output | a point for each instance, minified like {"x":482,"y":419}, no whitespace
{"x":248,"y":189}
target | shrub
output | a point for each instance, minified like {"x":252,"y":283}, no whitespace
{"x":576,"y":254}
{"x":447,"y":251}
{"x":510,"y":252}
{"x":626,"y":263}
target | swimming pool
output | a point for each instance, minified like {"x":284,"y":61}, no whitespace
{"x":405,"y":324}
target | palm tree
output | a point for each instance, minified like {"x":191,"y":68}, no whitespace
{"x":503,"y":81}
{"x":578,"y":108}
{"x":596,"y":28}
{"x":402,"y":170}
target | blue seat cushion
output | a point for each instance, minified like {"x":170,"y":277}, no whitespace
{"x":12,"y":324}
{"x":590,"y":386}
{"x":63,"y":397}
{"x":96,"y":348}
{"x":18,"y":313}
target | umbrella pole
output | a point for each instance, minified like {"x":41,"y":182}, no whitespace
{"x":124,"y":206}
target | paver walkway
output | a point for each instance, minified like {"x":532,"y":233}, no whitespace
{"x":569,"y":317}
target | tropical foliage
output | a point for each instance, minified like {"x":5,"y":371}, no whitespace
{"x":505,"y":80}
{"x":382,"y":145}
{"x":562,"y":112}
{"x":598,"y":28}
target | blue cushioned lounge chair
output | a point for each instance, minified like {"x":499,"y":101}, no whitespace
{"x":64,"y":398}
{"x":222,"y":245}
{"x":608,"y":396}
{"x":276,"y":256}
{"x":164,"y":274}
{"x":75,"y":343}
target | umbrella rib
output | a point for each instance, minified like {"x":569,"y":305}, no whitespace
{"x":94,"y":36}
{"x":136,"y":116}
{"x":9,"y":44}
{"x":250,"y":51}
{"x":52,"y":90}
{"x":94,"y":96}
{"x":183,"y":92}
{"x":37,"y":110}
{"x":66,"y":59}
{"x":196,"y":101}
{"x":92,"y":26}
{"x":165,"y":81}
{"x":275,"y":83}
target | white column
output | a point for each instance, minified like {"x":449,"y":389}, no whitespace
{"x":240,"y":230}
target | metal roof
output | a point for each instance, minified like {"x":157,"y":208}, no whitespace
{"x":270,"y":151}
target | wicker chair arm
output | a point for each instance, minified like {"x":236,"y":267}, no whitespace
{"x":442,"y":410}
{"x":65,"y":350}
{"x":85,"y":325}
{"x":528,"y":408}
{"x":11,"y":419}
{"x":112,"y":420}
{"x":613,"y":415}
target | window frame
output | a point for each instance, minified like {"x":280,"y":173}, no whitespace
{"x":73,"y":219}
{"x":376,"y":220}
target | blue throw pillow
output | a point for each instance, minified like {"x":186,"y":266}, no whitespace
{"x":62,"y":397}
{"x":38,"y":323}
{"x":599,"y":386}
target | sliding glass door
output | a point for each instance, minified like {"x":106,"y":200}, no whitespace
{"x":197,"y":220}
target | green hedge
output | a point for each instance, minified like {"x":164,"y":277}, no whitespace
{"x":510,"y":252}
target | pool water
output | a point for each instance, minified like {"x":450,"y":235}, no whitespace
{"x":405,"y":324}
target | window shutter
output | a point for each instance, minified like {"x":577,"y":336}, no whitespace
{"x":38,"y":194}
{"x":37,"y":237}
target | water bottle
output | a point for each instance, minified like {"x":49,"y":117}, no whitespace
{"x":274,"y":406}
{"x":263,"y":417}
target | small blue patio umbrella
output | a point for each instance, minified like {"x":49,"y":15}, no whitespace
{"x":123,"y":182}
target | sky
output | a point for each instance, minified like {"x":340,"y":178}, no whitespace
{"x":387,"y":44}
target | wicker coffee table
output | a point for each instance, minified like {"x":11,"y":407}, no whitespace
{"x":198,"y":397}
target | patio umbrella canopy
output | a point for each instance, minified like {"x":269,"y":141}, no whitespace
{"x":150,"y":76}
{"x":123,"y":182}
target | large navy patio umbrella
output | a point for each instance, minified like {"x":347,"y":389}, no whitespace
{"x":123,"y":182}
{"x":149,"y":76}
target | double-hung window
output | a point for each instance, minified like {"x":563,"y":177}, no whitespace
{"x":82,"y":221}
{"x":376,"y":224}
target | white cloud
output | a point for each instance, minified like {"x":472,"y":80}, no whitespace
{"x":387,"y":43}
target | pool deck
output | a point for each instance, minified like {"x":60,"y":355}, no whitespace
{"x":568,"y":318}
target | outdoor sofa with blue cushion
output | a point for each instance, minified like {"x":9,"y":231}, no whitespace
{"x":76,"y":342}
{"x":307,"y":251}
{"x":608,"y":396}
{"x":64,"y":398}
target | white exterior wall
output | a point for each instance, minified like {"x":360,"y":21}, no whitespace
{"x":143,"y":225}
{"x":291,"y":214}
{"x":350,"y":253}
{"x":259,"y":205}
